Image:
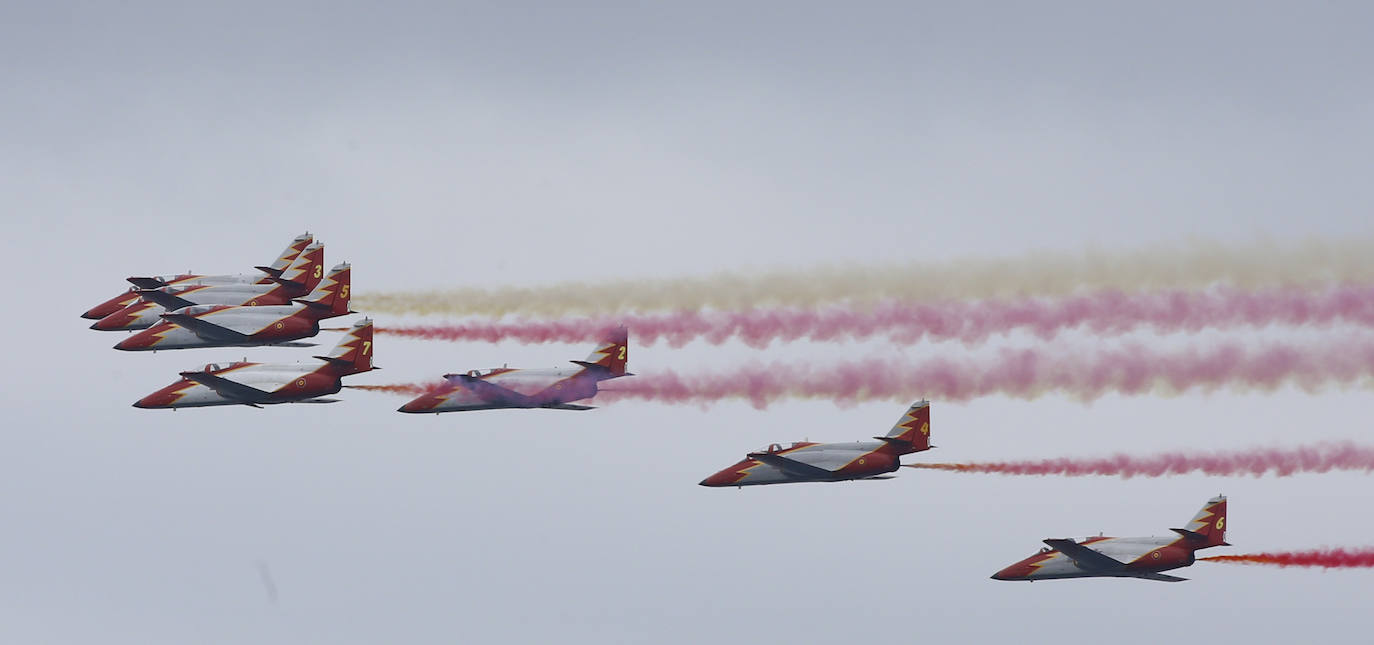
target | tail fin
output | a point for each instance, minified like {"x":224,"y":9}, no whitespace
{"x":330,"y":297}
{"x":306,"y":270}
{"x":293,"y":250}
{"x":613,"y":353}
{"x":1208,"y":527}
{"x":354,"y":351}
{"x":912,"y":432}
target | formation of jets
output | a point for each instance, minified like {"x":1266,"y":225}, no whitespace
{"x":283,"y":303}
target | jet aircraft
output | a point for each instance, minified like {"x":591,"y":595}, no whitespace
{"x":258,"y":384}
{"x":805,"y":461}
{"x":553,"y":388}
{"x":1137,"y":557}
{"x":268,"y":272}
{"x":246,"y":326}
{"x":297,"y":280}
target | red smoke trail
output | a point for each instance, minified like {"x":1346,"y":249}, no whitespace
{"x":1104,"y":312}
{"x":1026,"y":373}
{"x":1325,"y":558}
{"x":1281,"y":462}
{"x":411,"y":389}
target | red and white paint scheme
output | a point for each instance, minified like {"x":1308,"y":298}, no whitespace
{"x":832,"y":462}
{"x":297,"y":280}
{"x":505,"y":387}
{"x":273,"y":270}
{"x":244,"y":326}
{"x":257,"y":384}
{"x":1135,"y":557}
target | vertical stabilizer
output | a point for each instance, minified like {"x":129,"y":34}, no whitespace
{"x":330,"y":297}
{"x":354,"y":351}
{"x":1208,"y":527}
{"x":293,"y":250}
{"x":306,"y":270}
{"x":613,"y":354}
{"x":912,"y":431}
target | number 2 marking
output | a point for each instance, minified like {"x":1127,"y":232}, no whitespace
{"x":622,"y":353}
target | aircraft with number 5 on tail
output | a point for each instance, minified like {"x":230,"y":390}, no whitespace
{"x":248,"y":326}
{"x":832,"y":462}
{"x":1135,"y":557}
{"x":257,"y":384}
{"x":297,"y":280}
{"x":554,"y":389}
{"x":268,"y":273}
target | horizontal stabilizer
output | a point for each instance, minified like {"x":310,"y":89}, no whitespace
{"x":1194,"y":536}
{"x":791,"y":466}
{"x":321,"y":400}
{"x":879,"y":477}
{"x":601,"y":369}
{"x":1086,"y":557}
{"x":227,"y":388}
{"x":167,"y":300}
{"x":1160,"y":577}
{"x":146,"y":283}
{"x":269,"y":271}
{"x":569,"y":406}
{"x":295,"y":344}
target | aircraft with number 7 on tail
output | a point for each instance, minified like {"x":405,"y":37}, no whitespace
{"x":554,"y":388}
{"x":257,"y":384}
{"x":832,"y":462}
{"x":1134,"y":557}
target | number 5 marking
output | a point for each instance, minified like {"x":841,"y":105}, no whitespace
{"x":343,"y":293}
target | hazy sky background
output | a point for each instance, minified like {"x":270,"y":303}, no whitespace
{"x":519,"y":144}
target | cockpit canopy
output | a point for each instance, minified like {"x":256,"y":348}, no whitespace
{"x":777,"y":447}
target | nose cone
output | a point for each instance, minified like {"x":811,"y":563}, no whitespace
{"x":166,"y":397}
{"x":1018,"y":571}
{"x":725,"y":477}
{"x":110,"y":306}
{"x":141,"y":341}
{"x":112,"y":322}
{"x":424,"y":403}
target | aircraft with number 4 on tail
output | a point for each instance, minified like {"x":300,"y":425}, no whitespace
{"x":299,"y":279}
{"x":832,"y":462}
{"x":269,"y":272}
{"x":258,"y":384}
{"x":554,"y":389}
{"x":1136,"y":557}
{"x":248,"y":326}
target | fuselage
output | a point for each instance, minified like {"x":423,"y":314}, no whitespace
{"x":528,"y":388}
{"x":1140,"y":554}
{"x":263,"y":325}
{"x":847,"y":461}
{"x":144,"y":314}
{"x":286,"y":382}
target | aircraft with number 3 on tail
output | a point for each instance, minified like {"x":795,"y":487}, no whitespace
{"x":805,"y":461}
{"x":257,"y":384}
{"x":248,"y":326}
{"x":554,"y":389}
{"x":1135,"y":557}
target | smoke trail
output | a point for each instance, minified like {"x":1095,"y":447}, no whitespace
{"x":970,"y":322}
{"x":1045,"y":274}
{"x":1326,"y":558}
{"x":410,"y":389}
{"x":1281,"y":462}
{"x":1025,"y":373}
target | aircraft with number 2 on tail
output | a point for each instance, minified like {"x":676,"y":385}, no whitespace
{"x":268,"y":272}
{"x":247,"y":326}
{"x":805,"y":461}
{"x":554,"y":389}
{"x":258,"y":384}
{"x":1135,"y":557}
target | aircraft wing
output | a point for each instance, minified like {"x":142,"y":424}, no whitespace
{"x":1161,"y":577}
{"x":167,"y":300}
{"x":226,"y":387}
{"x":207,"y":330}
{"x":492,"y":393}
{"x":146,"y":283}
{"x":791,"y":466}
{"x":569,"y":406}
{"x":1087,"y":558}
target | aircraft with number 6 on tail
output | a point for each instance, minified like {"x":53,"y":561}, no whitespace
{"x":805,"y":461}
{"x":1134,"y":557}
{"x":258,"y":384}
{"x":554,"y":388}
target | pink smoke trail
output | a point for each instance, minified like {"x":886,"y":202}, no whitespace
{"x":1362,"y":557}
{"x":1279,"y":461}
{"x":1027,"y":373}
{"x":1104,"y":312}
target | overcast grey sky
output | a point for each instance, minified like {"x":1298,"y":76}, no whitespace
{"x":520,"y":144}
